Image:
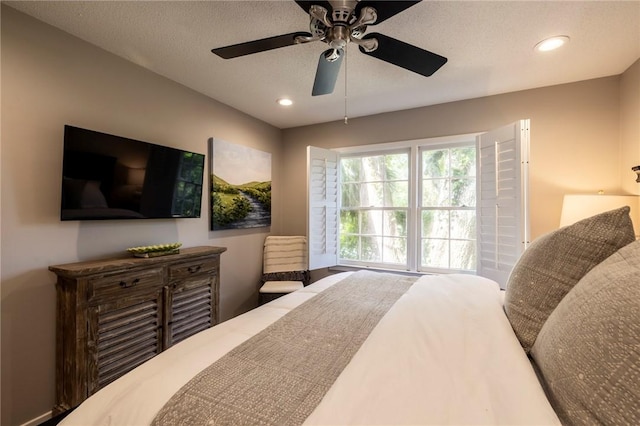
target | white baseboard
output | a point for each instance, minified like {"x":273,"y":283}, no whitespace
{"x":35,"y":422}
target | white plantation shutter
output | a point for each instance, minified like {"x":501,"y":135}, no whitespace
{"x":503,"y":231}
{"x":322,"y":207}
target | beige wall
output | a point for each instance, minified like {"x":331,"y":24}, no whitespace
{"x":630,"y":127}
{"x":575,"y":141}
{"x":50,"y":79}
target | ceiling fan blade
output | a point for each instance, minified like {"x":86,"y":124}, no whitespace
{"x":256,"y":46}
{"x":306,"y":4}
{"x":405,"y":55}
{"x":327,"y":72}
{"x":385,"y":9}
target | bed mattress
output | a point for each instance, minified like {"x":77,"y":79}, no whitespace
{"x":444,"y":353}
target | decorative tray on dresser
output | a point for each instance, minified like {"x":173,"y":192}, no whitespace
{"x":114,"y":314}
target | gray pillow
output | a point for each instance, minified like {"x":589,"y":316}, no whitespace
{"x":555,"y":262}
{"x":588,"y":351}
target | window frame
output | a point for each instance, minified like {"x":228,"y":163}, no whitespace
{"x":414,"y":148}
{"x":420,"y":208}
{"x":408,"y":208}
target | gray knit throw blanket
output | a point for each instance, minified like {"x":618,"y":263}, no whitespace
{"x":280,"y":375}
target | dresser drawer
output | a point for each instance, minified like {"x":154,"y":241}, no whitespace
{"x":120,"y":285}
{"x":188,"y":269}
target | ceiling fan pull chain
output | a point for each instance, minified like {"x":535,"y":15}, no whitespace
{"x":346,"y":67}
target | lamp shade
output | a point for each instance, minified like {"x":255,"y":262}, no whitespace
{"x":578,"y":207}
{"x":135,"y":175}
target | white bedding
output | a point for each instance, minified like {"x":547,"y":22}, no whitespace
{"x":444,"y":354}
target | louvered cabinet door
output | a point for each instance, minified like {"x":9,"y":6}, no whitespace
{"x":192,"y":299}
{"x":123,"y":334}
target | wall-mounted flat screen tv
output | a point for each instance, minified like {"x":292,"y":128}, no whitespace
{"x":111,"y":177}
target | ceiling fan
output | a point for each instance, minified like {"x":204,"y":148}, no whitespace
{"x":338,"y":22}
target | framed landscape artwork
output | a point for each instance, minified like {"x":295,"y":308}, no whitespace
{"x":240,"y":186}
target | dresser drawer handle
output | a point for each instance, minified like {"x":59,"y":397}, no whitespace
{"x":133,"y":283}
{"x":194,"y":269}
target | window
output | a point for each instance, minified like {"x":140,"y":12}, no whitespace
{"x":448,"y":208}
{"x":455,"y":204}
{"x":374,"y":209}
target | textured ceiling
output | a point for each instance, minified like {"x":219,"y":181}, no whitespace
{"x":489,"y":46}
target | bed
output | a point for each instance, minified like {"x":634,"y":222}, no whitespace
{"x":435,"y":349}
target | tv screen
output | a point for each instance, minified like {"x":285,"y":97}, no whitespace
{"x":112,"y":177}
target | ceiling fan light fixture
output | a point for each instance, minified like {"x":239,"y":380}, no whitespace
{"x":552,"y":43}
{"x":284,"y":102}
{"x":336,"y":23}
{"x":332,"y":55}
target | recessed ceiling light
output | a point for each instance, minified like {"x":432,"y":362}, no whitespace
{"x":284,"y":102}
{"x":551,"y":43}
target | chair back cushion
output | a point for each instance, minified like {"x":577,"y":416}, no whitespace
{"x":282,"y":254}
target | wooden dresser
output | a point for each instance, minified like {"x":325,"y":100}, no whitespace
{"x":115,"y":314}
